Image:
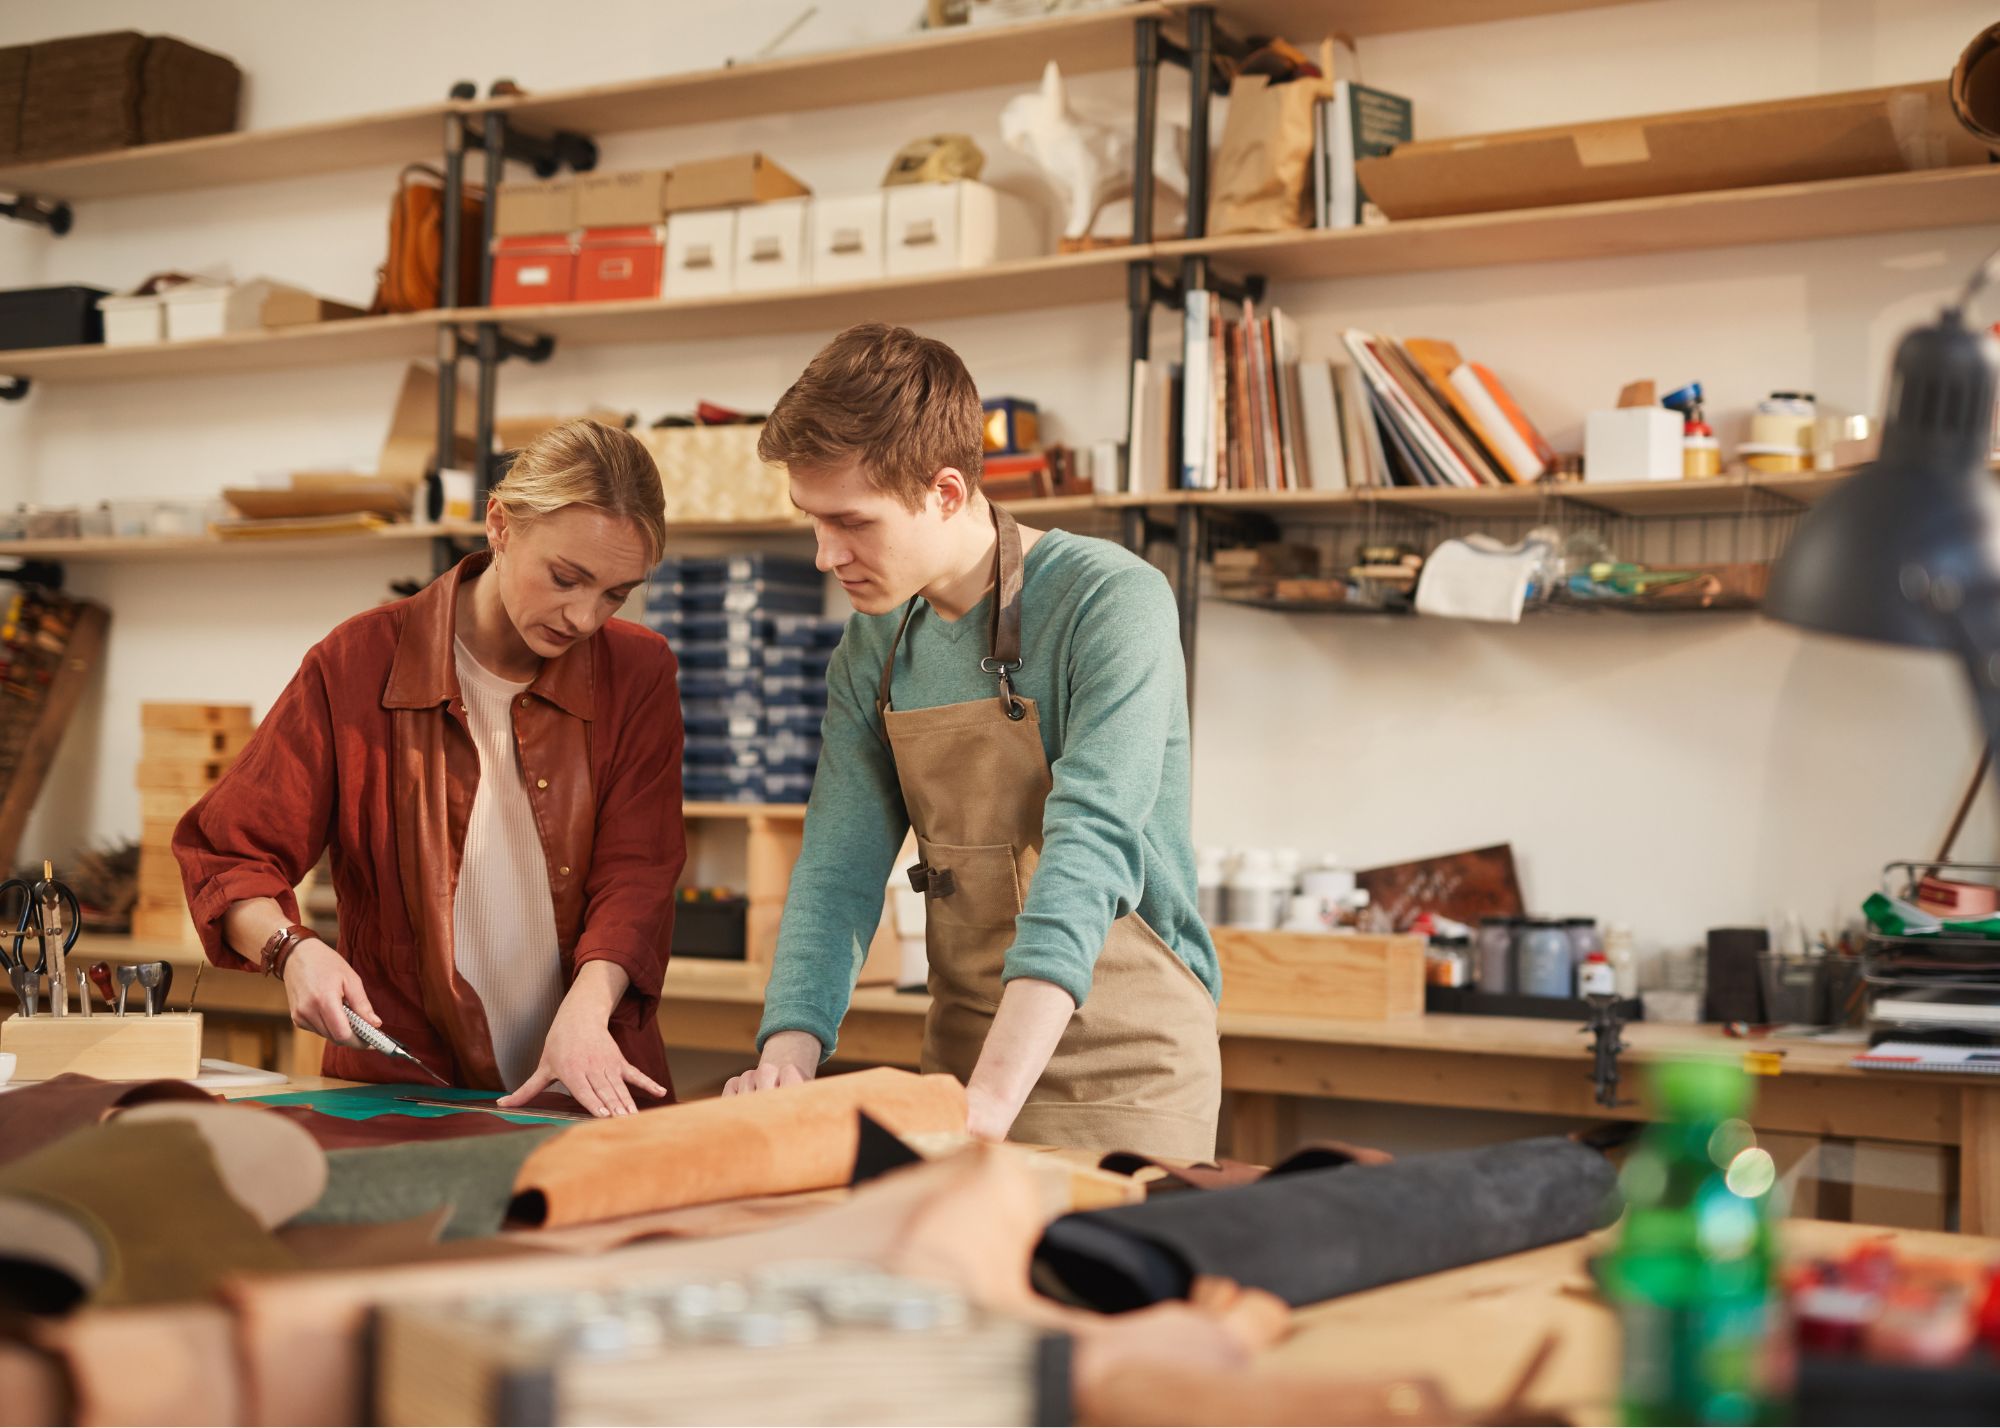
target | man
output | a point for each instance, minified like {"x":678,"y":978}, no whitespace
{"x":1017,"y":697}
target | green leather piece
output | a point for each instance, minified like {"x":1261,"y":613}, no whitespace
{"x":473,"y":1175}
{"x":360,"y":1103}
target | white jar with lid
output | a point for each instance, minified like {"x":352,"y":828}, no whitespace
{"x":1258,"y":893}
{"x":1211,"y":872}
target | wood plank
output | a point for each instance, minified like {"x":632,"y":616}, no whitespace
{"x":361,"y":339}
{"x":1367,"y":978}
{"x":944,"y":61}
{"x":1303,"y":21}
{"x":396,"y":136}
{"x":119,"y":550}
{"x":1979,"y":1160}
{"x":1063,"y":280}
{"x":1830,"y":208}
{"x":742,"y":811}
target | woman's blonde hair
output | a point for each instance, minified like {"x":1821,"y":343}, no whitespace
{"x":586,"y":463}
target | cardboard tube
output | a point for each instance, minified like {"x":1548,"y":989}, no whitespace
{"x":1975,"y":88}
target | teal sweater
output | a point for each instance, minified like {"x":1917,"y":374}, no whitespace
{"x":1100,"y":643}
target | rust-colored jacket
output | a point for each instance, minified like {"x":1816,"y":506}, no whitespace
{"x":367,"y":752}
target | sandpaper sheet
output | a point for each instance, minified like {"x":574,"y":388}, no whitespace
{"x":1318,"y":1234}
{"x":771,"y":1143}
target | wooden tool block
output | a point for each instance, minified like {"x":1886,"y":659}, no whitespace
{"x":107,"y":1046}
{"x":195,"y":716}
{"x":1319,"y":974}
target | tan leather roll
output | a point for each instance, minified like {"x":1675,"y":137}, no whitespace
{"x":769,"y":1143}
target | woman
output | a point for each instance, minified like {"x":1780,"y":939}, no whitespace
{"x":496,"y":766}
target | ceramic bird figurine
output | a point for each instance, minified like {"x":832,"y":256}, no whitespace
{"x":1088,"y":161}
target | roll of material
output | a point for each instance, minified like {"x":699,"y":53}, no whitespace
{"x":1975,"y":88}
{"x":1312,"y":1235}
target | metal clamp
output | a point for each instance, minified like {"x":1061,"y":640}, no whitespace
{"x":52,"y":214}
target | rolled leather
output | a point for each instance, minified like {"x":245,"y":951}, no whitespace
{"x":1312,"y":1235}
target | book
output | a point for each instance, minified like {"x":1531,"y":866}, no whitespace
{"x":1197,"y":397}
{"x":1360,"y":122}
{"x":1322,"y":445}
{"x":1513,"y":436}
{"x":1141,"y":439}
{"x":1436,"y":462}
{"x":1435,"y":361}
{"x":1926,"y":1056}
{"x":1280,"y":354}
{"x":1440,"y":417}
{"x":1361,"y":444}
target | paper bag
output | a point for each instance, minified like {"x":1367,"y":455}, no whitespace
{"x":1262,"y":174}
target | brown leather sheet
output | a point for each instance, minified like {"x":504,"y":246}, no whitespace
{"x":34,"y":1116}
{"x":772,"y":1143}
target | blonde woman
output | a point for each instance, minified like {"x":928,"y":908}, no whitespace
{"x":495,"y":765}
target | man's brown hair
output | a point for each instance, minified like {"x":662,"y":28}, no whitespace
{"x":902,"y":405}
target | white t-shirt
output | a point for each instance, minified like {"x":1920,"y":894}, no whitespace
{"x":503,"y":919}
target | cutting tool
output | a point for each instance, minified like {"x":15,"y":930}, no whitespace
{"x":381,"y":1041}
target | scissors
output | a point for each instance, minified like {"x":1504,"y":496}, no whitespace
{"x":49,"y":910}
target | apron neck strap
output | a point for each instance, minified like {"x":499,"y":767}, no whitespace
{"x":1005,"y":644}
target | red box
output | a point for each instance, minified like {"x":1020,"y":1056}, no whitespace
{"x":615,"y":263}
{"x":534,"y":269}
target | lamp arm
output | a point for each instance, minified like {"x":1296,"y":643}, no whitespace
{"x":1975,"y":629}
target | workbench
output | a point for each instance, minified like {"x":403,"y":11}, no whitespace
{"x":1271,"y":1064}
{"x":1487,"y":1063}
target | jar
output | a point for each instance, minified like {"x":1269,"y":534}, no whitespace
{"x":1258,"y":895}
{"x":1584,"y":939}
{"x":1495,"y":946}
{"x":1618,"y":951}
{"x":1448,"y":962}
{"x":1307,"y":914}
{"x":1542,"y":959}
{"x":1211,"y":871}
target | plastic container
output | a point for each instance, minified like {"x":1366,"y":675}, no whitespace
{"x":1584,"y":939}
{"x":1624,"y":960}
{"x":1211,"y":872}
{"x":1543,"y":959}
{"x":1494,"y":953}
{"x":1258,"y":895}
{"x":51,"y":317}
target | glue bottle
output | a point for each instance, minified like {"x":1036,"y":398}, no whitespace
{"x":1701,"y":456}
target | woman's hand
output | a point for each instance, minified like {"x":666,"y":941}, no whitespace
{"x":791,"y":1058}
{"x":581,"y":1053}
{"x":319,"y":986}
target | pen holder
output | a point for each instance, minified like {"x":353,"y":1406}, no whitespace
{"x":111,"y":1048}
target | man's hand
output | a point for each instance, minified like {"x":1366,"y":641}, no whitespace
{"x":791,"y":1058}
{"x":319,"y":986}
{"x":581,"y":1053}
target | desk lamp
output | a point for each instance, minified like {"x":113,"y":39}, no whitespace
{"x":1907,"y":552}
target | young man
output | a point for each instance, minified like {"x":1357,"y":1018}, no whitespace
{"x":1018,"y":697}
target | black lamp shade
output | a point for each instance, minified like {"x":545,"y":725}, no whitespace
{"x":1899,"y":552}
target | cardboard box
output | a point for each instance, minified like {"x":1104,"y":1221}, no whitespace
{"x":944,"y":227}
{"x":534,"y":269}
{"x":199,"y":310}
{"x":730,"y":183}
{"x":701,"y":254}
{"x":614,"y":264}
{"x":634,"y":198}
{"x":525,"y":208}
{"x":1632,"y":444}
{"x":846,"y":239}
{"x":1821,"y":136}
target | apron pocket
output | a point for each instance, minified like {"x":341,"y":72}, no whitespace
{"x":985,"y":886}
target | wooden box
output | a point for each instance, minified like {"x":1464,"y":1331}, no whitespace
{"x":1318,"y":974}
{"x":105,"y":1045}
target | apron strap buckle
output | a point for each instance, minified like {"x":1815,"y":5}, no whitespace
{"x":932,"y":882}
{"x":1009,"y":701}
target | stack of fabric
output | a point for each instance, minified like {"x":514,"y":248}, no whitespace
{"x":753,"y":649}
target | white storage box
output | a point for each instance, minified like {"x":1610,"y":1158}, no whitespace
{"x":846,"y":239}
{"x":197,"y":310}
{"x":701,"y":254}
{"x":771,"y":246}
{"x":134,"y":321}
{"x":942,"y":227}
{"x":1632,"y":444}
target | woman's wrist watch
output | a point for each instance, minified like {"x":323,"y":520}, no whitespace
{"x":278,"y":948}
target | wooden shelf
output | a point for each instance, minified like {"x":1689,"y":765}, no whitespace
{"x":396,"y":136}
{"x":115,"y":550}
{"x":361,"y":339}
{"x":1721,"y":496}
{"x":1832,"y":208}
{"x":1062,"y":280}
{"x":1303,"y":21}
{"x":743,"y":811}
{"x":927,"y":63}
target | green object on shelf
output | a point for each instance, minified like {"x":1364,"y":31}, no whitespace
{"x":1693,"y":1276}
{"x":1892,"y":917}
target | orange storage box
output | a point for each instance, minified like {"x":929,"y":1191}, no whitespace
{"x":615,"y":263}
{"x":533,"y":269}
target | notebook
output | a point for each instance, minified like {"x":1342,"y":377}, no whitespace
{"x":1923,"y":1056}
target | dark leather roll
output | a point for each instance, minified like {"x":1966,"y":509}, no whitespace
{"x":1310,"y":1235}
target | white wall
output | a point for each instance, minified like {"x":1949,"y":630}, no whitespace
{"x":1672,"y":774}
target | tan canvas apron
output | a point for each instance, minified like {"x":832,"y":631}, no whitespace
{"x":1139,"y":1067}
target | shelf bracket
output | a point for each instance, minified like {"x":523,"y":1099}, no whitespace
{"x":15,"y":389}
{"x":535,"y":350}
{"x":548,"y":156}
{"x":48,"y":574}
{"x":52,"y":214}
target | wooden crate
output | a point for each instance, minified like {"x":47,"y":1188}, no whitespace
{"x":192,"y":777}
{"x":1316,"y":974}
{"x":228,"y":717}
{"x":191,"y":746}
